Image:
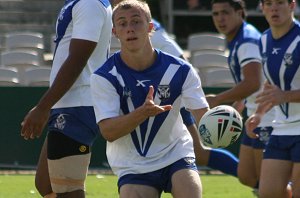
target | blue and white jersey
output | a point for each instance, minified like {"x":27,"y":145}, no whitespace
{"x":162,"y":41}
{"x":87,"y":20}
{"x":281,"y":59}
{"x":244,"y":49}
{"x":160,"y":140}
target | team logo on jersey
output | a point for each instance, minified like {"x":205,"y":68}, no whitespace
{"x":163,"y":92}
{"x":126,"y":92}
{"x":141,"y":83}
{"x":288,"y":59}
{"x":60,"y":122}
{"x":275,"y":50}
{"x":205,"y":134}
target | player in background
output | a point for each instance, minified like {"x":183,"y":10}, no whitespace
{"x":218,"y":159}
{"x":148,"y":146}
{"x":83,"y":33}
{"x":245,"y":64}
{"x":280,"y":51}
{"x":161,"y":40}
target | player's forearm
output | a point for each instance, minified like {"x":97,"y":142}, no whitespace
{"x":117,"y":127}
{"x":196,"y":142}
{"x":292,"y":96}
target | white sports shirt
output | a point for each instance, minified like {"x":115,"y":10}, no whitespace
{"x":243,"y":50}
{"x":160,"y":140}
{"x":281,"y":63}
{"x":87,"y":20}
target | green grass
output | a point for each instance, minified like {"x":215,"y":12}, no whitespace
{"x":104,"y":186}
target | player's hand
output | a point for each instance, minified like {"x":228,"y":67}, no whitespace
{"x":34,"y":123}
{"x":271,"y":95}
{"x":212,"y":100}
{"x":152,"y":109}
{"x":251,"y":123}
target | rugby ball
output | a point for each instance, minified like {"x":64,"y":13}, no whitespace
{"x":220,"y":126}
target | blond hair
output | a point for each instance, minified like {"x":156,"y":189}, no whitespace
{"x":127,"y":4}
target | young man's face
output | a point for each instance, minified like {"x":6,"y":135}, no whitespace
{"x":132,"y":28}
{"x":225,"y":18}
{"x":277,"y":12}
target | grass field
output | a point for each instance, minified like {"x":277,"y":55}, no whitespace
{"x":104,"y":186}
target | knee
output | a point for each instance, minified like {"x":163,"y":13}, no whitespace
{"x":42,"y":187}
{"x":247,"y":179}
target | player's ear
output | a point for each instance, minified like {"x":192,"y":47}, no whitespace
{"x":114,"y":32}
{"x":240,"y":13}
{"x":151,"y":26}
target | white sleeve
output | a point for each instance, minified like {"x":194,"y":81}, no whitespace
{"x":248,"y":52}
{"x":106,"y":100}
{"x":193,"y":96}
{"x":161,"y":40}
{"x":87,"y":18}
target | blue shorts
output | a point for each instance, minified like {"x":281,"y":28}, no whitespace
{"x":78,"y":123}
{"x":159,"y":179}
{"x":283,"y":148}
{"x":261,"y":142}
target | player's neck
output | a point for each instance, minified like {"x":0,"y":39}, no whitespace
{"x":139,"y":60}
{"x":230,"y":36}
{"x":279,"y":31}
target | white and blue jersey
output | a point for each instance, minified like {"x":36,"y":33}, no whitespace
{"x":243,"y":50}
{"x":87,"y":20}
{"x":161,"y":140}
{"x":73,"y":114}
{"x":281,"y":60}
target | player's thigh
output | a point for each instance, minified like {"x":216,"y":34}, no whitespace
{"x":246,"y":164}
{"x":42,"y":180}
{"x":68,"y":162}
{"x":186,"y":183}
{"x":275,"y":175}
{"x":258,"y":157}
{"x":138,"y":191}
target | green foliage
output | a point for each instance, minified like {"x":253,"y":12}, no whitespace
{"x":105,"y":186}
